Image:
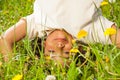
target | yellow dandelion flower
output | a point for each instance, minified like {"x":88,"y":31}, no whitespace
{"x":0,"y":63}
{"x":18,"y":77}
{"x":110,"y":31}
{"x":104,"y":3}
{"x":73,"y":41}
{"x":74,"y":50}
{"x":96,"y":62}
{"x":81,"y":33}
{"x":47,"y":57}
{"x":107,"y":59}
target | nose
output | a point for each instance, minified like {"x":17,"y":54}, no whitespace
{"x":60,"y":44}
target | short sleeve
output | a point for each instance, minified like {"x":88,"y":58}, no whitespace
{"x":33,"y":29}
{"x":96,"y":31}
{"x":97,"y":2}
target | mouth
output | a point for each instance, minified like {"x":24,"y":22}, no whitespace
{"x":61,"y":39}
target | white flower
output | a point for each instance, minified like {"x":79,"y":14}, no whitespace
{"x":50,"y":77}
{"x":112,"y":1}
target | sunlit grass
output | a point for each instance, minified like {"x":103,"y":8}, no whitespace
{"x":101,"y":62}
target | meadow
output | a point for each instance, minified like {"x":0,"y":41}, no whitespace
{"x":101,"y":62}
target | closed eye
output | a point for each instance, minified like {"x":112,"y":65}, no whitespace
{"x":66,"y":53}
{"x":51,"y":51}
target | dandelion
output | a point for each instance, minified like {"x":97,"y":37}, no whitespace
{"x":17,"y":77}
{"x":47,"y":57}
{"x":74,"y":50}
{"x":110,"y":31}
{"x":74,"y":44}
{"x":96,"y":62}
{"x":73,"y":41}
{"x":50,"y":77}
{"x":81,"y":33}
{"x":107,"y":59}
{"x":104,"y":3}
{"x":0,"y":63}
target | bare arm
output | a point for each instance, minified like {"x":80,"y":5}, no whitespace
{"x":116,"y":38}
{"x":13,"y":34}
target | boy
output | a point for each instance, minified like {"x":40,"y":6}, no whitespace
{"x":60,"y":20}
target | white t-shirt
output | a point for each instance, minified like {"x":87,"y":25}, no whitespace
{"x":71,"y":15}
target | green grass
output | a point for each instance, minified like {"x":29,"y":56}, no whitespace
{"x":105,"y":67}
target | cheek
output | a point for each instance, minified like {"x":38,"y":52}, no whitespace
{"x":66,"y":55}
{"x":48,"y":45}
{"x":68,"y":46}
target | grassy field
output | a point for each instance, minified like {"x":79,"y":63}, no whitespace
{"x":101,"y":61}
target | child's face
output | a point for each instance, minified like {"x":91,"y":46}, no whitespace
{"x":58,"y":45}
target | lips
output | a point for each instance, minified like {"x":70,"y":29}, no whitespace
{"x":60,"y":39}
